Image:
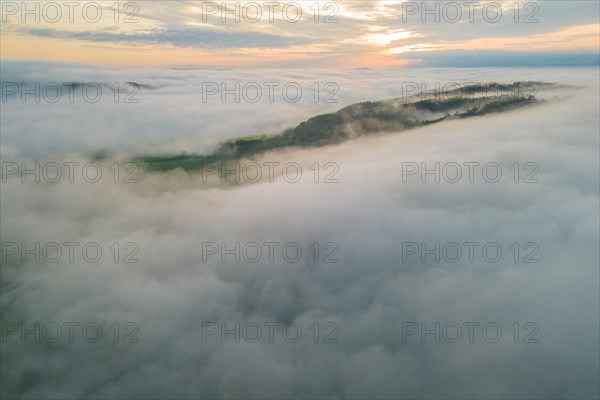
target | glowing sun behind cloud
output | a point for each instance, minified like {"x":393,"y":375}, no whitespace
{"x":389,"y":37}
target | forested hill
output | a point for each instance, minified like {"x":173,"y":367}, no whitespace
{"x":393,"y":115}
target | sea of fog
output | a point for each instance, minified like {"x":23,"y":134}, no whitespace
{"x":377,"y":321}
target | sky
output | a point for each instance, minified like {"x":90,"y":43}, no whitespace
{"x":338,"y":35}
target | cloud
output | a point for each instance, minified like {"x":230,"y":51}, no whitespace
{"x":172,"y":117}
{"x":369,"y":294}
{"x":478,"y":59}
{"x":190,"y":37}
